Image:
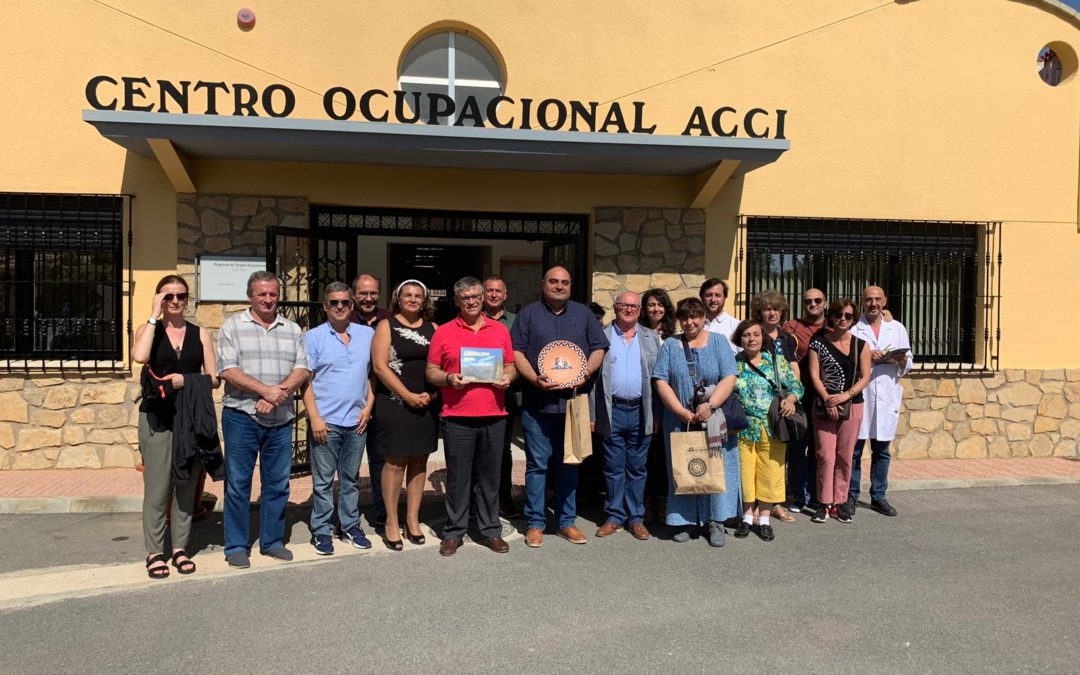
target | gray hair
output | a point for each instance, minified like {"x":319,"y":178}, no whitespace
{"x":465,"y":283}
{"x":335,"y":287}
{"x":261,"y":275}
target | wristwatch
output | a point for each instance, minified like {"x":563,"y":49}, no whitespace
{"x":713,"y":408}
{"x":152,"y":322}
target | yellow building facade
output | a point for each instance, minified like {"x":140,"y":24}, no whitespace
{"x":909,"y":143}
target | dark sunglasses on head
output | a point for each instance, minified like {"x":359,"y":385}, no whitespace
{"x":813,"y":301}
{"x":339,"y":303}
{"x":182,"y":297}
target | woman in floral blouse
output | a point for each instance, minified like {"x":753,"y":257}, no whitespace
{"x":761,"y":458}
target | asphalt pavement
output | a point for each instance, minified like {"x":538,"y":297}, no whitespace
{"x":972,"y":580}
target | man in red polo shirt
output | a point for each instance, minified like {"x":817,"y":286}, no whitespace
{"x":472,"y":359}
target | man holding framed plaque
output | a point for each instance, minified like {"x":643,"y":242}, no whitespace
{"x":472,"y":360}
{"x":558,"y":345}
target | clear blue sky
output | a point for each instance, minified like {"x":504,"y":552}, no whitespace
{"x":1073,"y":3}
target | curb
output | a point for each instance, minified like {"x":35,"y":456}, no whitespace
{"x":133,"y":504}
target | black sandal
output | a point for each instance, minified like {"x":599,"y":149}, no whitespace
{"x":185,"y":566}
{"x":418,"y":539}
{"x":157,"y":572}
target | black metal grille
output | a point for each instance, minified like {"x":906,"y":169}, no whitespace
{"x":942,"y":278}
{"x":61,"y":281}
{"x":457,"y":223}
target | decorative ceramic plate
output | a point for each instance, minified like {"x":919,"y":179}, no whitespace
{"x":562,"y":362}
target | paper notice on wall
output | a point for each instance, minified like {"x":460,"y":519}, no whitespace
{"x":223,"y":278}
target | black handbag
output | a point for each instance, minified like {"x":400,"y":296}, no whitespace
{"x":844,"y":409}
{"x":785,"y":429}
{"x":734,"y":413}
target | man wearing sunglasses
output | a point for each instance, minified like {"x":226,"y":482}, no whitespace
{"x":339,"y":401}
{"x":366,"y":312}
{"x":802,"y":465}
{"x":890,"y":354}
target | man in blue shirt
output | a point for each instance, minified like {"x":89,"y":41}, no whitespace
{"x":622,"y":405}
{"x":543,"y":418}
{"x":339,"y":401}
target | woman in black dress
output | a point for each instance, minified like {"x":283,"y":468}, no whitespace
{"x":405,"y":406}
{"x":169,"y":347}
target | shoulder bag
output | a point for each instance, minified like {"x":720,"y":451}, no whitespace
{"x":734,"y":413}
{"x":786,"y":429}
{"x":844,"y":409}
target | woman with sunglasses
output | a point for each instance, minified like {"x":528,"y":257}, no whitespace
{"x":657,"y":314}
{"x":839,"y":370}
{"x":169,"y":347}
{"x":405,"y":406}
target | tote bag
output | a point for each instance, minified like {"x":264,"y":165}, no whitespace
{"x":693,"y":469}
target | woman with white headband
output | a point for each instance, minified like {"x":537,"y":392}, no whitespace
{"x":405,"y":406}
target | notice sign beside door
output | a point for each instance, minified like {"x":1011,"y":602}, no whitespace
{"x":223,"y":278}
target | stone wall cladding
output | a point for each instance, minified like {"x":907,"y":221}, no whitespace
{"x":635,"y":249}
{"x":1014,"y":413}
{"x":68,"y":423}
{"x":227,"y":225}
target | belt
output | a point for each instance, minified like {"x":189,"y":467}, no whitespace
{"x":626,"y":401}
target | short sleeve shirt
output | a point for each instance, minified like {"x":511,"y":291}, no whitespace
{"x":340,"y":372}
{"x":267,"y":354}
{"x":535,"y":326}
{"x":475,"y":399}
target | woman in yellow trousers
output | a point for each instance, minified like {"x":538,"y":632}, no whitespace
{"x":761,"y":458}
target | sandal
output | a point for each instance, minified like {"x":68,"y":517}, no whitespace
{"x":157,"y":572}
{"x":185,"y":566}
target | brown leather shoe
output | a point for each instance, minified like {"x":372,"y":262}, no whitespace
{"x":639,"y":531}
{"x":607,"y":529}
{"x":496,"y":544}
{"x":534,"y":537}
{"x":573,"y":535}
{"x":449,"y":547}
{"x":781,"y":514}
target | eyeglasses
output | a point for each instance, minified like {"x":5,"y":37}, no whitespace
{"x":847,"y":316}
{"x":475,"y":297}
{"x":813,"y":301}
{"x":625,"y":305}
{"x":339,"y":303}
{"x":180,"y":297}
{"x":367,"y":294}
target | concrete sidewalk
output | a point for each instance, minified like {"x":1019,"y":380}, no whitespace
{"x":120,"y":490}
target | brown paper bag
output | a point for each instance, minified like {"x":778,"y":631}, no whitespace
{"x":577,"y":436}
{"x":692,"y":469}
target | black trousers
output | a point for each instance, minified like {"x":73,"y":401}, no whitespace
{"x":473,"y":447}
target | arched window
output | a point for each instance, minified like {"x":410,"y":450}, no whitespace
{"x":452,"y":63}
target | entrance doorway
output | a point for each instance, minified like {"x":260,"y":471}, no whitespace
{"x":436,"y":247}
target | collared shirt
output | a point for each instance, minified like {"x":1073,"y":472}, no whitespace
{"x":536,"y":326}
{"x":476,"y":399}
{"x":625,"y":364}
{"x":507,"y":318}
{"x":267,"y":354}
{"x":339,"y":372}
{"x":380,"y":314}
{"x":724,"y":324}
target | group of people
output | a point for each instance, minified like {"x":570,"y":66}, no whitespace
{"x":391,"y":382}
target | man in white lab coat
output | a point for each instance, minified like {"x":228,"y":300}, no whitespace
{"x":891,"y":355}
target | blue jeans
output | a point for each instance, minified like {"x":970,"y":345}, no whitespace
{"x":879,"y":469}
{"x":543,"y":435}
{"x":246,"y":440}
{"x":802,"y":466}
{"x":626,"y":453}
{"x":340,"y":453}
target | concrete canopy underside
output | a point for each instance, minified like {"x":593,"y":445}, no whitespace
{"x":304,"y":140}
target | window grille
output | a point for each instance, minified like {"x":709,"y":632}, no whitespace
{"x":942,"y":278}
{"x":61,"y":281}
